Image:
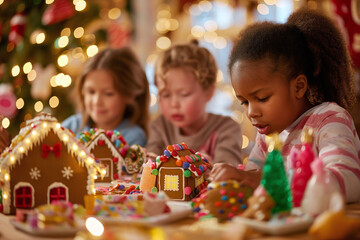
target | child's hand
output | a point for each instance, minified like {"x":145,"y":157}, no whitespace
{"x":4,"y":139}
{"x":224,"y":171}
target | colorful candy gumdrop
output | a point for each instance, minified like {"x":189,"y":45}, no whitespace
{"x":318,"y":190}
{"x":302,"y":168}
{"x":274,"y":178}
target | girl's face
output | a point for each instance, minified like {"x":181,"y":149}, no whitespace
{"x":183,"y":100}
{"x":102,"y":102}
{"x":271,"y":101}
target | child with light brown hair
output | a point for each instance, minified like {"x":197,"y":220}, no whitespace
{"x":113,"y":94}
{"x":186,"y":80}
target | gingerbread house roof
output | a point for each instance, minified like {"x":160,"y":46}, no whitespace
{"x":116,"y":143}
{"x":193,"y":162}
{"x":32,"y":135}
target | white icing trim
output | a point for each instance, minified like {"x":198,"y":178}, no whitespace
{"x":102,"y":136}
{"x":24,"y":184}
{"x":354,"y":11}
{"x":170,"y":168}
{"x":36,"y":134}
{"x":56,"y":185}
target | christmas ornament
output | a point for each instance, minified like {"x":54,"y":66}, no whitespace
{"x":41,"y":88}
{"x":348,"y":18}
{"x":274,"y":178}
{"x":118,"y":35}
{"x":17,"y":28}
{"x":7,"y":101}
{"x":58,"y":11}
{"x":302,"y":172}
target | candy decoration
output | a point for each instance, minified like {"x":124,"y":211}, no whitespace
{"x":58,"y":11}
{"x":318,"y":189}
{"x":17,"y":28}
{"x":274,"y":177}
{"x":7,"y":101}
{"x":302,"y":172}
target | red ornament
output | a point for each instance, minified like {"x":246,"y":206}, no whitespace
{"x":59,"y":11}
{"x":46,"y":149}
{"x":17,"y":28}
{"x":101,"y":142}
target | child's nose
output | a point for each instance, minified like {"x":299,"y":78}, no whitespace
{"x":97,"y":98}
{"x":175,"y":101}
{"x":253,"y":111}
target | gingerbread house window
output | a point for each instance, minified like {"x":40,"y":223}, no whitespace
{"x":171,"y":183}
{"x":24,"y":195}
{"x":58,"y":191}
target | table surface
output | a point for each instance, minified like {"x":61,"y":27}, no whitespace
{"x":184,"y":229}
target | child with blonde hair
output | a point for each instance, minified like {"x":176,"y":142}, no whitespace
{"x":186,"y":77}
{"x":293,"y":76}
{"x":113,"y":94}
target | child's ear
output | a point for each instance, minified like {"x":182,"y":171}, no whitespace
{"x":300,"y":86}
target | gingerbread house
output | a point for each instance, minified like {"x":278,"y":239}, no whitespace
{"x":112,"y":150}
{"x":45,"y":162}
{"x":180,"y":172}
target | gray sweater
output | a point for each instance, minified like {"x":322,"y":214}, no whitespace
{"x":220,"y":138}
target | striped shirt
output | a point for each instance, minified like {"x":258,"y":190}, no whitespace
{"x":336,"y":143}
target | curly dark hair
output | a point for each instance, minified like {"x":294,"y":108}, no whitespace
{"x":308,"y":43}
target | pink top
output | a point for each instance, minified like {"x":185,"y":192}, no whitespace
{"x":336,"y":143}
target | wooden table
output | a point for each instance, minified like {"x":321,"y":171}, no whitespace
{"x":184,"y":229}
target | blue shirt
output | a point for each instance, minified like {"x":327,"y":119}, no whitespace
{"x":133,"y":134}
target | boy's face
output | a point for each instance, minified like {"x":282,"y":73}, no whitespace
{"x":102,"y":102}
{"x":268,"y":97}
{"x":183,"y":100}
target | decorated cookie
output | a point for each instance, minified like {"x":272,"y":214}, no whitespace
{"x":260,"y":205}
{"x":180,"y":172}
{"x":222,"y":200}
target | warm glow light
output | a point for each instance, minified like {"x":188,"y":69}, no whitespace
{"x":75,"y":147}
{"x":65,"y":32}
{"x":1,"y":2}
{"x":82,"y":153}
{"x":58,"y":125}
{"x":210,"y":36}
{"x":49,"y":1}
{"x":153,"y":99}
{"x":174,"y":24}
{"x":63,"y":60}
{"x":5,"y":196}
{"x":103,"y":172}
{"x":12,"y":159}
{"x":270,"y":2}
{"x":220,"y":43}
{"x":38,"y":106}
{"x":90,"y":160}
{"x":54,"y":101}
{"x":163,"y":43}
{"x":263,"y":9}
{"x":21,"y":149}
{"x":245,"y":142}
{"x":92,"y":50}
{"x":79,"y":32}
{"x":205,"y":6}
{"x":27,"y":67}
{"x":40,"y":38}
{"x":65,"y":138}
{"x":210,"y":25}
{"x":32,"y":75}
{"x":7,"y":177}
{"x":5,"y":123}
{"x":80,"y":5}
{"x":63,"y":41}
{"x":114,"y":13}
{"x":44,"y":125}
{"x":15,"y":70}
{"x":197,"y":31}
{"x":27,"y":141}
{"x":162,"y":25}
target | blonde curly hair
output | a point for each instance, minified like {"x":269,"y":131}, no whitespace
{"x":190,"y":57}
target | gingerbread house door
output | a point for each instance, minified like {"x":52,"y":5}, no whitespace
{"x":171,"y":181}
{"x":109,"y":166}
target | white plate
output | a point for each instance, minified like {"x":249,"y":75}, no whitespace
{"x":178,"y":210}
{"x":48,"y":232}
{"x":298,"y":224}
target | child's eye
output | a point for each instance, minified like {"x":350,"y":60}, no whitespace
{"x":185,"y":94}
{"x":263,"y":99}
{"x":164,"y":95}
{"x":109,"y":93}
{"x":244,"y":102}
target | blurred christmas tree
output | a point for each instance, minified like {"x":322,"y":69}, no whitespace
{"x":43,"y":45}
